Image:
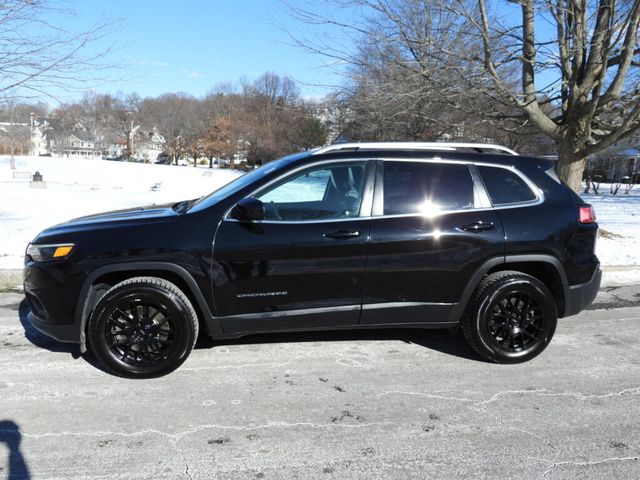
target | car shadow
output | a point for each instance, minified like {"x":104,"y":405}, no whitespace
{"x":440,"y":340}
{"x":42,"y":341}
{"x":11,"y":436}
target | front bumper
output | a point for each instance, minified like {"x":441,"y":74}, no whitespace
{"x":51,"y":292}
{"x":62,"y":333}
{"x":581,"y":296}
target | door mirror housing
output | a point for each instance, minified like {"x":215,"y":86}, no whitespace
{"x":248,"y":210}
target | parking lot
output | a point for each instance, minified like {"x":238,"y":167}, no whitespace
{"x":382,"y":404}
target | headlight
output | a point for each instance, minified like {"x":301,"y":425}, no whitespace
{"x":46,"y":253}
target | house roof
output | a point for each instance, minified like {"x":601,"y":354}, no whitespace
{"x":628,"y":152}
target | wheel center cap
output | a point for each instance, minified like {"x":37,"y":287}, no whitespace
{"x":514,"y":320}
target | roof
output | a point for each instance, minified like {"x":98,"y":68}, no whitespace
{"x":431,"y":146}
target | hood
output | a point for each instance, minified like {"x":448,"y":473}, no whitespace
{"x":128,"y":214}
{"x":108,"y":220}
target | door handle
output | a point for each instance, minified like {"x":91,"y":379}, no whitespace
{"x":479,"y":226}
{"x":342,"y":234}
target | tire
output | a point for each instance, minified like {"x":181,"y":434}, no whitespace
{"x":143,"y":327}
{"x":511,"y":317}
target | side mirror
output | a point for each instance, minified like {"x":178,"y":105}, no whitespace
{"x":248,"y":210}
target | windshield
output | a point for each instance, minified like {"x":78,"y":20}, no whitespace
{"x":243,"y":181}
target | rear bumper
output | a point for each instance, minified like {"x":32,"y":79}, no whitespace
{"x":581,"y":296}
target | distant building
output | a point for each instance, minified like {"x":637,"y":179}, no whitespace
{"x":147,"y":147}
{"x":616,"y":165}
{"x":72,"y":144}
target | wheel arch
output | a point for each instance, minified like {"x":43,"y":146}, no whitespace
{"x":545,"y":268}
{"x":106,"y":276}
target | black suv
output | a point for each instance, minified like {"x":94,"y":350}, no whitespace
{"x":348,"y":236}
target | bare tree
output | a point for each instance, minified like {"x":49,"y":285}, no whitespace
{"x":36,"y":54}
{"x":588,"y":68}
{"x":578,"y":85}
{"x":14,"y":136}
{"x":172,"y":115}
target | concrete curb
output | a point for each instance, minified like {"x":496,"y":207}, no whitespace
{"x":11,"y":278}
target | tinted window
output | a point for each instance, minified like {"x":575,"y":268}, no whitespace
{"x":505,"y":186}
{"x":419,"y":187}
{"x":318,"y":193}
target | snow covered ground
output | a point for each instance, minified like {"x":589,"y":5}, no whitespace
{"x":80,"y":187}
{"x":619,"y":221}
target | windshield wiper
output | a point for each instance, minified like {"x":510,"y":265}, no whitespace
{"x":182,"y":207}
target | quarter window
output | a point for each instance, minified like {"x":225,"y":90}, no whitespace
{"x":504,"y":186}
{"x":427,"y":188}
{"x":327,"y":192}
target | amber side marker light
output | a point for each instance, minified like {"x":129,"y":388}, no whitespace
{"x":62,"y":251}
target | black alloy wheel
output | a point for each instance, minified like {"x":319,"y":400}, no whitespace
{"x":511,"y":318}
{"x":515,"y":321}
{"x":140,"y":331}
{"x":143,"y":327}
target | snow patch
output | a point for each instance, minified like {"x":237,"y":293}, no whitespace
{"x":78,"y":187}
{"x":619,"y":220}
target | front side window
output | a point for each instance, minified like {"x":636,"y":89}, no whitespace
{"x":504,"y":186}
{"x":426,"y":188}
{"x":319,"y":193}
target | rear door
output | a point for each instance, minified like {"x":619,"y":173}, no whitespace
{"x":432,"y":227}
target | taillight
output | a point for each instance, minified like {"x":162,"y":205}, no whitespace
{"x":586,"y":214}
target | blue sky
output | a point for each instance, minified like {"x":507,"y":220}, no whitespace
{"x":190,"y":46}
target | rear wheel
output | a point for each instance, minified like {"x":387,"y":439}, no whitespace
{"x":511,"y":317}
{"x":143,"y":327}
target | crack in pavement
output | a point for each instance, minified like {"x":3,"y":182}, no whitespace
{"x":186,"y":470}
{"x":176,"y":436}
{"x":537,"y":392}
{"x":551,"y":466}
{"x":479,"y":406}
{"x":547,"y":393}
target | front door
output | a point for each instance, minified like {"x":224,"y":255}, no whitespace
{"x":303,"y":265}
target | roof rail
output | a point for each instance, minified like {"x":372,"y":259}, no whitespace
{"x":438,"y":146}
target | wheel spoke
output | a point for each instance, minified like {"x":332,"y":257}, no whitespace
{"x":119,"y":322}
{"x":119,"y":341}
{"x":155,"y":314}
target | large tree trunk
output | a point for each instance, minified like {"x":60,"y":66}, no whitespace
{"x":570,"y":170}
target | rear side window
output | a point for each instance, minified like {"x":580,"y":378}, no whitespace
{"x":504,"y":186}
{"x":422,"y":187}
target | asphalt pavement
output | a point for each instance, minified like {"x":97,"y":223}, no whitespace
{"x":369,"y":405}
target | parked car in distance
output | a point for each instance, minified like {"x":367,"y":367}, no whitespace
{"x":163,"y":159}
{"x":351,"y":236}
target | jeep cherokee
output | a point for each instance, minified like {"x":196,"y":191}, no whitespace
{"x":348,"y":236}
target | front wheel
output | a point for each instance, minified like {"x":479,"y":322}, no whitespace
{"x":143,"y":327}
{"x":511,"y":317}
